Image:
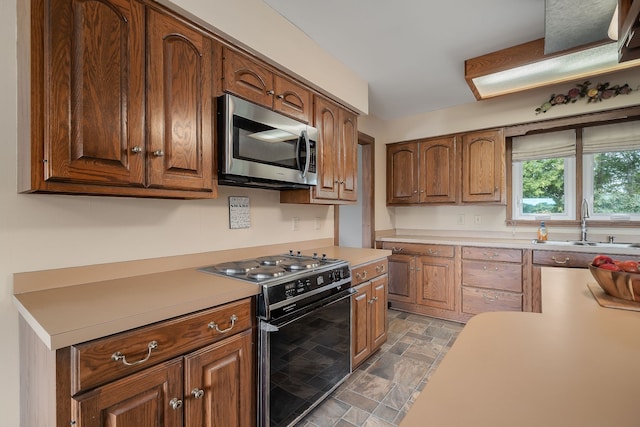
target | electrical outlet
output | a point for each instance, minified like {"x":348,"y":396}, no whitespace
{"x":317,"y":223}
{"x":460,"y":220}
{"x":295,"y":223}
{"x":477,"y":220}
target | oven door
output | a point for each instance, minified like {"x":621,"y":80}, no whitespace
{"x":304,"y":357}
{"x":263,"y":145}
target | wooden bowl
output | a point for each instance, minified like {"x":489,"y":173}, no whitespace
{"x":619,"y":284}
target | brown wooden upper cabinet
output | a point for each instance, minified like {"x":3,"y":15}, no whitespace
{"x":100,"y":124}
{"x":422,"y":171}
{"x":483,"y":167}
{"x":254,"y":81}
{"x":427,"y":171}
{"x":337,"y":157}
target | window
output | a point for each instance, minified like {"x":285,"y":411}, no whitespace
{"x":544,"y":176}
{"x":611,"y":161}
{"x":545,"y":173}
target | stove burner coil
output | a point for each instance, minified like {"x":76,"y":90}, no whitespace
{"x":236,"y":267}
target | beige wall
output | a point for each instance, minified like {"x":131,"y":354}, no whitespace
{"x":506,"y":110}
{"x":52,"y":231}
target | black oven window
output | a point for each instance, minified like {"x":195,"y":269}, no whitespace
{"x":308,"y":358}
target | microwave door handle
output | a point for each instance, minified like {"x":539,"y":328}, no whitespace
{"x":307,"y":143}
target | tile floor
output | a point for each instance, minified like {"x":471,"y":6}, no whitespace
{"x":381,"y":390}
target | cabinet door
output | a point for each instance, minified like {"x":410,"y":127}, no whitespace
{"x":94,"y":111}
{"x":179,"y":105}
{"x":219,"y":384}
{"x":438,"y":171}
{"x":483,"y":171}
{"x":402,"y":173}
{"x":378,"y":321}
{"x":149,"y":398}
{"x":360,"y":341}
{"x":402,"y":278}
{"x":327,"y":122}
{"x":435,"y":282}
{"x":348,"y":156}
{"x":247,"y":78}
{"x":292,"y":99}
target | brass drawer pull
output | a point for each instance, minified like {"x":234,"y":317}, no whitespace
{"x":485,"y":268}
{"x":372,"y":300}
{"x":395,"y":250}
{"x":490,"y":298}
{"x":488,"y":255}
{"x":362,"y":275}
{"x":432,"y":252}
{"x":380,"y":268}
{"x":118,"y":356}
{"x":214,"y":325}
{"x":566,"y":260}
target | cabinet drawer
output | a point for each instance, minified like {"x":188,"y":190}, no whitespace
{"x":563,"y":259}
{"x":366,"y":272}
{"x":492,"y":254}
{"x":419,"y":249}
{"x":476,"y":301}
{"x":492,"y":275}
{"x":99,"y":361}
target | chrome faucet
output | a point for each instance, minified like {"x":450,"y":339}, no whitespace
{"x":583,"y":223}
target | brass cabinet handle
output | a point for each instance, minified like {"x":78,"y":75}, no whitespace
{"x":118,"y":356}
{"x":198,"y":393}
{"x":270,"y":92}
{"x":280,"y":96}
{"x":372,"y":300}
{"x":490,"y":298}
{"x":380,"y":268}
{"x":362,"y":275}
{"x":394,"y":249}
{"x":136,"y":149}
{"x":158,"y":153}
{"x":175,"y":403}
{"x":214,"y":325}
{"x":566,"y":260}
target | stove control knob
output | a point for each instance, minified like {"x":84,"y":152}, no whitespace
{"x":324,"y":257}
{"x":290,"y":252}
{"x":299,"y":253}
{"x":315,"y":255}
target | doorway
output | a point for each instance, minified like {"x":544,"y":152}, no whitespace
{"x":354,"y":224}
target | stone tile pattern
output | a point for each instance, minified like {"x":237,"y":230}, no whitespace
{"x":381,"y":390}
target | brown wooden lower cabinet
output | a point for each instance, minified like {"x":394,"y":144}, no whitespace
{"x":368,"y":310}
{"x":207,"y":383}
{"x":457,"y":282}
{"x":423,"y":279}
{"x":544,"y":258}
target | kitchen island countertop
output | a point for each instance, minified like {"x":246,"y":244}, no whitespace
{"x":575,"y":364}
{"x":72,"y":305}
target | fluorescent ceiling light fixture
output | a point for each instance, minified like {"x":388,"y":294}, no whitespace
{"x":526,"y":66}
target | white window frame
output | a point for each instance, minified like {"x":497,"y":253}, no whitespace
{"x":587,"y":192}
{"x":569,"y":194}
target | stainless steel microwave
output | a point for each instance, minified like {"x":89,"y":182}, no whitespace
{"x":261,"y":148}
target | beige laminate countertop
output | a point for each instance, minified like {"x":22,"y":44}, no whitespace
{"x":503,"y":242}
{"x":576,"y":364}
{"x":102,"y":302}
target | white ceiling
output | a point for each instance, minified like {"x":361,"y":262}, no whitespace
{"x":412,"y":52}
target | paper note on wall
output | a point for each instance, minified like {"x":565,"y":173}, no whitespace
{"x":239,"y":214}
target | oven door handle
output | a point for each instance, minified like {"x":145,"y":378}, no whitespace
{"x":275,"y":326}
